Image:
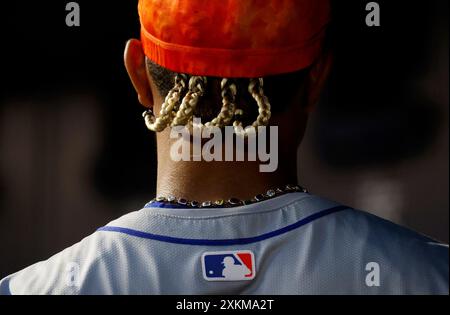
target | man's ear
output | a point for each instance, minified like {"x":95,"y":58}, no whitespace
{"x":317,"y":78}
{"x":134,"y":58}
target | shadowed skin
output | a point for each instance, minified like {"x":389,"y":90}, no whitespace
{"x":222,"y":180}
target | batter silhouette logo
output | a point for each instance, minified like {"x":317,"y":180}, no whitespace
{"x":229,"y":266}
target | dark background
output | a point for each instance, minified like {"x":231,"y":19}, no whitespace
{"x":75,"y":154}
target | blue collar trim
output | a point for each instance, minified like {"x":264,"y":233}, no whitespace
{"x":223,"y":242}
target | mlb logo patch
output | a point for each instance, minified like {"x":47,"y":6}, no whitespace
{"x":229,"y":266}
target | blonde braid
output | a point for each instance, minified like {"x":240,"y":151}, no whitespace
{"x":186,"y":110}
{"x":256,"y":90}
{"x":171,"y":101}
{"x":174,"y":114}
{"x":229,"y":91}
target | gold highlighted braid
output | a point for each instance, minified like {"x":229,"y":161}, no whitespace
{"x":255,"y":88}
{"x":168,"y":108}
{"x":229,"y":91}
{"x":174,"y":114}
{"x":186,"y":111}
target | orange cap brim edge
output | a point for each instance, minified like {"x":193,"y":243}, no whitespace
{"x":245,"y":63}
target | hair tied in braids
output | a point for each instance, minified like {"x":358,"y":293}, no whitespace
{"x":168,"y":108}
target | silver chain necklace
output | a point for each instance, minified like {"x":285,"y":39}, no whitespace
{"x":232,"y":202}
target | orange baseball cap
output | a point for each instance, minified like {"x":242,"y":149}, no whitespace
{"x":233,"y":38}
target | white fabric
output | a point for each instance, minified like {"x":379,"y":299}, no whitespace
{"x":337,"y":253}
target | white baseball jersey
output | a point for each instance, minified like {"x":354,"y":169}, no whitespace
{"x":293,"y":244}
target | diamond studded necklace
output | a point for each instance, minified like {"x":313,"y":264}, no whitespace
{"x":229,"y":203}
